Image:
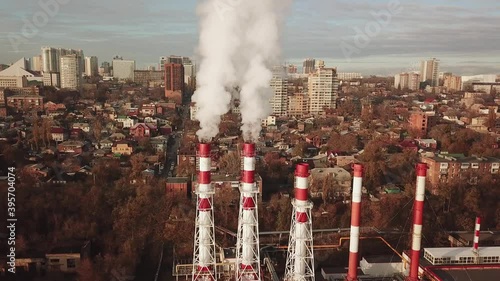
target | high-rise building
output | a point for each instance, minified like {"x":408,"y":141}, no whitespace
{"x":36,"y":63}
{"x":429,"y":71}
{"x":91,"y":66}
{"x":279,"y":84}
{"x":174,"y":81}
{"x":174,"y":77}
{"x":71,"y":72}
{"x":348,"y":75}
{"x":105,"y":69}
{"x":149,"y":78}
{"x":52,"y":79}
{"x":292,"y":69}
{"x":309,"y":66}
{"x":320,"y":64}
{"x":452,"y":82}
{"x":123,"y":69}
{"x":50,"y":59}
{"x":323,"y":90}
{"x":298,"y":105}
{"x":405,"y":80}
{"x":162,"y":62}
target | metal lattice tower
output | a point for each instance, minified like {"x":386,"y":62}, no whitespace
{"x":247,"y":245}
{"x":300,"y":256}
{"x":204,"y":237}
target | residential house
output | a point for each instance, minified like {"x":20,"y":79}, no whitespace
{"x":159,"y":143}
{"x":38,"y":170}
{"x":148,"y":110}
{"x":142,"y":130}
{"x":122,"y":148}
{"x":180,"y":186}
{"x":63,"y":260}
{"x":427,"y":143}
{"x":105,"y":143}
{"x":73,"y":146}
{"x":82,"y":126}
{"x":33,"y":264}
{"x":126,"y":121}
{"x":58,"y":134}
{"x":117,"y":136}
{"x":341,"y":180}
{"x":76,"y":134}
{"x":408,"y":145}
{"x":166,"y":130}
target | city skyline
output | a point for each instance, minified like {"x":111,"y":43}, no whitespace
{"x":412,"y":33}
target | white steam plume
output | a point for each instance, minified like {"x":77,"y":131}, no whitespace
{"x":262,"y":52}
{"x":217,"y":46}
{"x":239,"y":44}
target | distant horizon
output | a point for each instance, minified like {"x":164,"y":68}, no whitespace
{"x":370,"y":37}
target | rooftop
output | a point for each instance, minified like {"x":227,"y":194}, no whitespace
{"x":474,"y":273}
{"x":462,"y":252}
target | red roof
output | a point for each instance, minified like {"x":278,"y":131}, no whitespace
{"x":57,"y":131}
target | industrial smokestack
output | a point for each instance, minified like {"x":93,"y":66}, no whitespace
{"x":477,"y":230}
{"x":247,"y":245}
{"x":300,"y":256}
{"x":352,"y":274}
{"x":204,"y":237}
{"x":418,"y":212}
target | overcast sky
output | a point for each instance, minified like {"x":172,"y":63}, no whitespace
{"x":464,"y":35}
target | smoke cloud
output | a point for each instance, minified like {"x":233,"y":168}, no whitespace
{"x":239,"y":44}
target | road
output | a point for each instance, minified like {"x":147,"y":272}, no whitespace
{"x":173,"y":147}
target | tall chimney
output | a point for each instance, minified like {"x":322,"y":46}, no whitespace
{"x":418,"y":213}
{"x":247,"y":245}
{"x":204,"y":237}
{"x":300,"y":256}
{"x":352,"y":274}
{"x":477,"y":230}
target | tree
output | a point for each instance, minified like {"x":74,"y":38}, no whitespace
{"x":97,"y":129}
{"x":491,"y":122}
{"x":185,"y":169}
{"x":137,"y":161}
{"x":230,"y":163}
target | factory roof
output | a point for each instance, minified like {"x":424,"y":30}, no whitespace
{"x":473,"y":273}
{"x":383,"y":259}
{"x":462,"y":252}
{"x":485,"y":237}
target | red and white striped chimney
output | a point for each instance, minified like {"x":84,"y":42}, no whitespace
{"x":204,"y":247}
{"x":477,"y":230}
{"x":300,"y":256}
{"x":247,"y":244}
{"x":418,"y":213}
{"x":352,"y":274}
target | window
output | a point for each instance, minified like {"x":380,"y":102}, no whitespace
{"x":54,"y":260}
{"x":71,"y":263}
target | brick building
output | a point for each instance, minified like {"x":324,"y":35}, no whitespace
{"x":174,"y":81}
{"x":443,"y":168}
{"x":25,"y":102}
{"x":149,"y":78}
{"x":422,"y":122}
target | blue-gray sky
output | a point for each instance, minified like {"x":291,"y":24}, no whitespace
{"x":462,"y":34}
